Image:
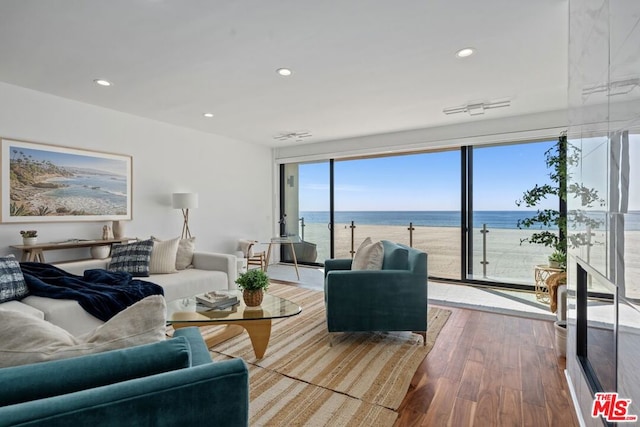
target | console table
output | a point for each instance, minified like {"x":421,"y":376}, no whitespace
{"x":35,"y":253}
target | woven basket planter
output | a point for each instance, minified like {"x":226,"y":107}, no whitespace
{"x":252,"y":298}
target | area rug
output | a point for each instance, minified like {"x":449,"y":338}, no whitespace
{"x":277,"y":401}
{"x":372,"y":368}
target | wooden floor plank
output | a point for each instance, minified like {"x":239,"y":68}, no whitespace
{"x":462,"y":414}
{"x":533,"y":415}
{"x":532,"y":387}
{"x":441,"y":406}
{"x":488,"y":406}
{"x":510,"y":410}
{"x":490,"y":369}
{"x":470,"y":381}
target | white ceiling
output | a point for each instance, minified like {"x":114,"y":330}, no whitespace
{"x":360,"y":67}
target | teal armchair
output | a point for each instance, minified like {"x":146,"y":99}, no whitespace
{"x":391,"y":299}
{"x":170,"y":383}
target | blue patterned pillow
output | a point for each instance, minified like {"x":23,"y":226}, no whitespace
{"x":12,"y":284}
{"x":132,"y":258}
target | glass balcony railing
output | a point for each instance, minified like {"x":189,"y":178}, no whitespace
{"x":497,"y":256}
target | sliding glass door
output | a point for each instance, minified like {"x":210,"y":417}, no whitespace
{"x":306,"y":210}
{"x":501,"y":174}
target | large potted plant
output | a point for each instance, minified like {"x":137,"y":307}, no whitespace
{"x":559,"y":159}
{"x":253,"y":283}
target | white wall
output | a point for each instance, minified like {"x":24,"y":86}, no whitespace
{"x":233,"y":178}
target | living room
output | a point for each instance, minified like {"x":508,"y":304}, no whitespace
{"x":232,"y":160}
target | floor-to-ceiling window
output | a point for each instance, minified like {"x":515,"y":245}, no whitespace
{"x":457,"y":205}
{"x":385,"y":196}
{"x":501,"y":174}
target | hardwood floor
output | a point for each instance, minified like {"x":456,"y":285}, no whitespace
{"x":488,"y":369}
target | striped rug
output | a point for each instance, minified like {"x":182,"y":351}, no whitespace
{"x":302,"y":380}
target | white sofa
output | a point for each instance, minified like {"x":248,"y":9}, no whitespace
{"x":211,"y":271}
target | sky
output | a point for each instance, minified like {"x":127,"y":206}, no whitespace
{"x":63,"y":157}
{"x":428,"y":181}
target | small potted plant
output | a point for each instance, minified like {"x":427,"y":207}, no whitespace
{"x":253,"y":283}
{"x":29,"y":237}
{"x":557,"y":260}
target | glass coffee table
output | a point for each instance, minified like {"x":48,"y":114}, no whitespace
{"x":256,"y":321}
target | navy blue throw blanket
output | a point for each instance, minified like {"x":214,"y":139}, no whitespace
{"x":101,"y":293}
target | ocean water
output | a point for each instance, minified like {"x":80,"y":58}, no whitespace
{"x":493,"y":219}
{"x":110,"y":189}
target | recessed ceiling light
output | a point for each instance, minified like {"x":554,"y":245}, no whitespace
{"x":102,"y":82}
{"x":208,"y":115}
{"x":285,"y":72}
{"x":467,"y":51}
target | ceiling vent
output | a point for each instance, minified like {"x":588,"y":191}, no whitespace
{"x":477,"y":108}
{"x":292,"y":136}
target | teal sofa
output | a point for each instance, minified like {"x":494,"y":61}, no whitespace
{"x":391,"y":299}
{"x":170,"y":383}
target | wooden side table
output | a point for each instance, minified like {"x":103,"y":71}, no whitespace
{"x":281,"y":241}
{"x":35,"y":253}
{"x":541,"y":274}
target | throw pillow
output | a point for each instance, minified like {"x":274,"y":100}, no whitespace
{"x":12,"y":284}
{"x":132,"y":258}
{"x":26,"y":339}
{"x":184,"y":257}
{"x":369,"y":256}
{"x":163,"y":256}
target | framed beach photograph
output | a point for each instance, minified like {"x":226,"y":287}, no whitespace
{"x":48,"y":183}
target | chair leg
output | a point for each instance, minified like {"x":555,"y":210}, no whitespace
{"x":424,"y":336}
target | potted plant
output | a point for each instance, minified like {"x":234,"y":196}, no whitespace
{"x":559,"y":159}
{"x":29,"y":237}
{"x":253,"y":283}
{"x":558,"y":260}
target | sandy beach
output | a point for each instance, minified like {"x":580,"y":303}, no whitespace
{"x":508,"y":260}
{"x":36,"y":198}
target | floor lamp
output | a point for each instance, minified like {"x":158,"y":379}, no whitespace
{"x":185,"y":201}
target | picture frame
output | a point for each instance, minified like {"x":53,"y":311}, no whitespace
{"x":50,"y":183}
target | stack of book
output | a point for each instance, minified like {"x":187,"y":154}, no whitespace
{"x":217,"y":299}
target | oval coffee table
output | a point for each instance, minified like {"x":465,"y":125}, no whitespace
{"x":256,"y":321}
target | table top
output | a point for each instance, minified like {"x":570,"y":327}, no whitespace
{"x":71,"y":244}
{"x":188,"y":310}
{"x":548,"y":268}
{"x":282,"y":240}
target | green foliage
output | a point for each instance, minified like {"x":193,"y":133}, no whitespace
{"x":253,"y":280}
{"x":26,"y":171}
{"x":555,"y":159}
{"x":560,"y":258}
{"x":15,"y":210}
{"x":558,"y":159}
{"x":43,"y":210}
{"x":29,"y":233}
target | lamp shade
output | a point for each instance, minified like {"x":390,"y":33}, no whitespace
{"x":184,"y":200}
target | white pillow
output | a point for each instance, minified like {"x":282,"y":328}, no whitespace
{"x":186,"y":248}
{"x":26,"y":339}
{"x":369,"y":256}
{"x":163,"y":256}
